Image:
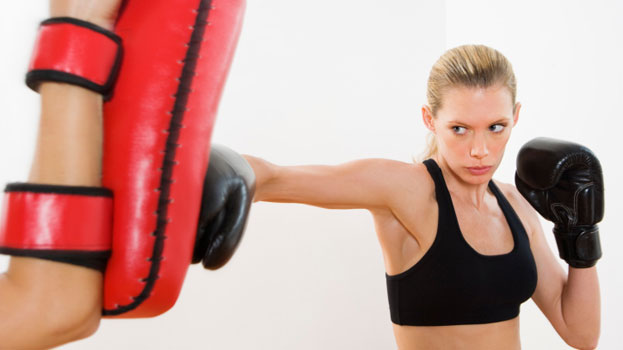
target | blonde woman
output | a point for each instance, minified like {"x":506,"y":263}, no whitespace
{"x":461,"y":251}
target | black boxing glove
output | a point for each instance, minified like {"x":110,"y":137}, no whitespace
{"x":228,"y":191}
{"x":563,"y":182}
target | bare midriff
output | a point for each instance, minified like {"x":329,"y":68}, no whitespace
{"x":498,"y":335}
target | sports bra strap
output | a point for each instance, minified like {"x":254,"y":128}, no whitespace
{"x":441,"y":191}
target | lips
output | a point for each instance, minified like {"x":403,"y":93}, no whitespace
{"x":479,"y":170}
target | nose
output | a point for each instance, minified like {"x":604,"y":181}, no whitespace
{"x":479,"y":147}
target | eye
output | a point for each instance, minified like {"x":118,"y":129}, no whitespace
{"x":459,"y":130}
{"x":497,"y":128}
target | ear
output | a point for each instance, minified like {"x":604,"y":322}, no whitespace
{"x":516,"y":113}
{"x":427,"y":117}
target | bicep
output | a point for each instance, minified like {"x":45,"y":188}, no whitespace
{"x":363,"y":184}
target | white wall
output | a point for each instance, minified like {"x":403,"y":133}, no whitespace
{"x":327,"y":82}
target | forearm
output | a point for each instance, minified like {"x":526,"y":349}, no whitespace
{"x":69,"y":143}
{"x":581,"y":306}
{"x":288,"y":184}
{"x":265,"y":177}
{"x":45,"y":303}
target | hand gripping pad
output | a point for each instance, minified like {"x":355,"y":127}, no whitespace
{"x":157,"y":140}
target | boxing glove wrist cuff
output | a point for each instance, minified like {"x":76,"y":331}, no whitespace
{"x":77,"y":52}
{"x":579,"y":246}
{"x":70,"y":224}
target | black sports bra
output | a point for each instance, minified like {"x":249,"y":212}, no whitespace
{"x":453,"y":284}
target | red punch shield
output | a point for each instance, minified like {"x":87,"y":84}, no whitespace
{"x":157,"y":127}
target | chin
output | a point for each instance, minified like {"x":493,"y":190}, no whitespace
{"x":475,"y":178}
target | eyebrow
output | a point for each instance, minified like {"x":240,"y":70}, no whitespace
{"x":499,"y":121}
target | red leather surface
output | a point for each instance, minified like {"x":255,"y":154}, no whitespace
{"x":31,"y":220}
{"x":73,"y":49}
{"x":137,"y":121}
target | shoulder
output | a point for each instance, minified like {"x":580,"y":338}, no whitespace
{"x":411,"y":186}
{"x":383,"y":164}
{"x":399,"y":181}
{"x":385,"y":170}
{"x":529,"y":217}
{"x":510,"y":192}
{"x":405,"y":173}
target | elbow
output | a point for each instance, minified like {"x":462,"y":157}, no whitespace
{"x":50,"y":327}
{"x":585,"y":342}
{"x":71,"y":317}
{"x":584,"y":347}
{"x":67,"y":317}
{"x":49,"y":304}
{"x":75,"y":326}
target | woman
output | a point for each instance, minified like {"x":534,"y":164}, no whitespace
{"x":44,"y":303}
{"x":459,"y":261}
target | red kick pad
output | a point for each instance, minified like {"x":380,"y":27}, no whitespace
{"x":157,"y":131}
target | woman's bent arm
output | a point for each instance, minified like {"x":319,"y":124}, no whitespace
{"x":571,"y":302}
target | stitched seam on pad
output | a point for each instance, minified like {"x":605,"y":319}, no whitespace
{"x":175,"y":126}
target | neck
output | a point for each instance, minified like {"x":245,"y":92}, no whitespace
{"x":473,"y":194}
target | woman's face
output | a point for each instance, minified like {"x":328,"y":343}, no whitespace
{"x":472,"y":128}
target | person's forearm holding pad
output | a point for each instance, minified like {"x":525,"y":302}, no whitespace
{"x":56,"y":226}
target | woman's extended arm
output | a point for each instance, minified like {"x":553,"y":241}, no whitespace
{"x":365,"y":184}
{"x":45,"y":303}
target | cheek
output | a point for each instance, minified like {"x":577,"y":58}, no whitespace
{"x":453,"y":145}
{"x":498,"y":145}
{"x":501,"y":140}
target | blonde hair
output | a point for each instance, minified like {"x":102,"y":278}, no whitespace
{"x":469,"y":66}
